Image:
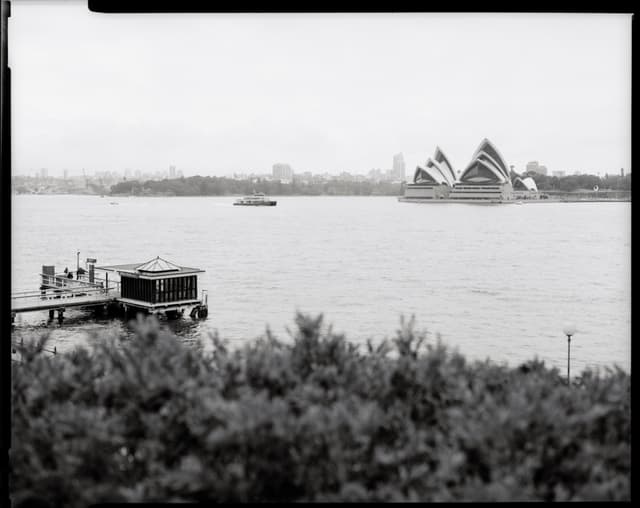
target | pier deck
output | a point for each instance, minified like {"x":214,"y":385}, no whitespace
{"x":59,"y":292}
{"x":36,"y":300}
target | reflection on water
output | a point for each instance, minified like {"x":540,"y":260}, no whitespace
{"x":494,"y":281}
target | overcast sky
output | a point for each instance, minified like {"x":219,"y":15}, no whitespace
{"x":224,"y":93}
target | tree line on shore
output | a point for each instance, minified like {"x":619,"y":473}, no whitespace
{"x":223,"y":186}
{"x":315,"y":418}
{"x":581,"y":182}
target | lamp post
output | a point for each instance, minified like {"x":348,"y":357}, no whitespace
{"x":569,"y":330}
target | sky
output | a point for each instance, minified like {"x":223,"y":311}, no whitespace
{"x":216,"y":94}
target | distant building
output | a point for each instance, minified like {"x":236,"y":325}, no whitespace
{"x":282,"y":172}
{"x":398,"y":167}
{"x":622,"y":172}
{"x":536,"y":167}
{"x":65,"y":172}
{"x":44,"y":172}
{"x":376,"y":175}
{"x":172,"y":171}
{"x":558,"y":173}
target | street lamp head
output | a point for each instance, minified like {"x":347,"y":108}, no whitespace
{"x":569,"y":329}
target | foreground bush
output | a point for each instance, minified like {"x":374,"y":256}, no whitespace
{"x":315,"y":419}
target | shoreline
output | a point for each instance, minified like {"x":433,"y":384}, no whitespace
{"x":510,"y":202}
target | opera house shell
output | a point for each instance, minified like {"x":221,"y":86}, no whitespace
{"x":486,"y":178}
{"x":434,"y":180}
{"x":525,"y":188}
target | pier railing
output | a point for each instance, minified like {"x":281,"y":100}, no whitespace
{"x":61,"y":296}
{"x":63,"y":281}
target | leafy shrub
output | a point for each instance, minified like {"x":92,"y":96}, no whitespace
{"x":316,"y":419}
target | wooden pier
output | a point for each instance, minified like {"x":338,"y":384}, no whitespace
{"x":156,"y":287}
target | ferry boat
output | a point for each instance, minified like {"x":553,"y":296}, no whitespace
{"x":256,"y":199}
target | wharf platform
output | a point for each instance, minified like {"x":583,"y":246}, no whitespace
{"x":57,"y":292}
{"x":155,"y":287}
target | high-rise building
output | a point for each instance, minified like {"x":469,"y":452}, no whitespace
{"x":398,"y":167}
{"x":65,"y":172}
{"x":282,"y":172}
{"x":535,"y":167}
{"x":44,"y":172}
{"x":558,"y":173}
{"x":622,"y":172}
{"x":172,"y":171}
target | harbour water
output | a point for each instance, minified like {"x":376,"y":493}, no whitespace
{"x":496,"y":282}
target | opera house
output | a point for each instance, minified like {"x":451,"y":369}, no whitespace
{"x":486,"y":178}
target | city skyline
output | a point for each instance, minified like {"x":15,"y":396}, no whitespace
{"x":171,"y":171}
{"x":352,"y":91}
